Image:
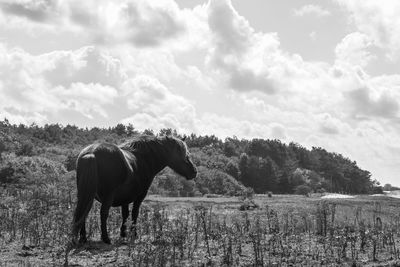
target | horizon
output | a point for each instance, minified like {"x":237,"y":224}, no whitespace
{"x":316,"y":73}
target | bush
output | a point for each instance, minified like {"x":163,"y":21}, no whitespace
{"x":211,"y":181}
{"x":26,"y":149}
{"x":70,"y":162}
{"x":247,"y":193}
{"x":7,"y":174}
{"x":321,"y":190}
{"x":303,"y":190}
{"x":30,"y":170}
{"x":3,"y":147}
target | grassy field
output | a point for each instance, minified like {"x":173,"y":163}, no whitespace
{"x":282,"y":231}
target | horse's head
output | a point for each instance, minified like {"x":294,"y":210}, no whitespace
{"x":178,"y":158}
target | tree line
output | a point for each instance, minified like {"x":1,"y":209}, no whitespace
{"x":228,"y":166}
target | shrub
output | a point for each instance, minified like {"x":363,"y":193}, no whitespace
{"x":211,"y":181}
{"x":30,"y":170}
{"x":3,"y":147}
{"x":321,"y":190}
{"x":7,"y":174}
{"x":247,"y":193}
{"x":70,"y":162}
{"x":26,"y":149}
{"x":303,"y":190}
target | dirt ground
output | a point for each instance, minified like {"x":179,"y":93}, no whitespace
{"x":96,"y":253}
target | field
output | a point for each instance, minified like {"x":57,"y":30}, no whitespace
{"x":284,"y":230}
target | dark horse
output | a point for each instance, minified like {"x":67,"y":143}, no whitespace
{"x":118,"y":175}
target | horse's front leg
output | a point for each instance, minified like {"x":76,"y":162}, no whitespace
{"x":125,"y":214}
{"x":82,"y":233}
{"x":135,"y":214}
{"x":104,"y":210}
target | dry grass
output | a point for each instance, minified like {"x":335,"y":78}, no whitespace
{"x":196,"y":231}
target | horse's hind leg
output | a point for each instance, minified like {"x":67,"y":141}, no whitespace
{"x":125,"y":214}
{"x":105,"y":208}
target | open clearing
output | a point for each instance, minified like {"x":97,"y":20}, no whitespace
{"x":283,"y":230}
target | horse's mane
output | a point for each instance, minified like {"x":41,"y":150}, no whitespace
{"x":144,"y":144}
{"x":141,"y":143}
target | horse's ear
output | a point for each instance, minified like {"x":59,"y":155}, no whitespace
{"x":184,"y":138}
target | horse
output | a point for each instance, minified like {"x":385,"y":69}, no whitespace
{"x":119,"y":175}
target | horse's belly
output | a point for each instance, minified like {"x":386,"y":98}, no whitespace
{"x":123,"y":196}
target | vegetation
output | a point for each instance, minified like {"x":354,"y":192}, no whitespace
{"x":283,"y":230}
{"x":225,"y":166}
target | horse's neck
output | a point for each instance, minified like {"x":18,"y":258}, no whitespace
{"x":150,"y":164}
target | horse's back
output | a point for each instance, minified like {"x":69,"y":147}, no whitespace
{"x":111,"y":168}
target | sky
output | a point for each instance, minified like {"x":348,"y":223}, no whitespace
{"x":318,"y":73}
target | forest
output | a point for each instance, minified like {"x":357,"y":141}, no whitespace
{"x":32,"y":155}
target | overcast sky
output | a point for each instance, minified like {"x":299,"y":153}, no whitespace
{"x":319,"y":73}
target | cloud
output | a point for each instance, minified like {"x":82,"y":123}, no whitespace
{"x":151,"y":24}
{"x":140,"y":23}
{"x":328,"y":124}
{"x":243,"y":79}
{"x":36,"y":84}
{"x":379,"y":21}
{"x":353,"y":49}
{"x":86,"y":98}
{"x":232,"y":31}
{"x":86,"y":65}
{"x":234,"y":49}
{"x":154,"y":105}
{"x":223,"y":126}
{"x":365,"y":106}
{"x":314,"y":10}
{"x":278,"y":131}
{"x":37,"y":11}
{"x":313,"y":35}
{"x":68,"y":86}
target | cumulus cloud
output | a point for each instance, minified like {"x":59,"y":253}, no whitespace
{"x":85,"y":98}
{"x":353,"y":49}
{"x":364,"y":105}
{"x":235,"y":45}
{"x":152,"y":24}
{"x":314,"y":10}
{"x":47,"y":84}
{"x":37,"y":11}
{"x":380,"y":21}
{"x":328,"y":124}
{"x":87,"y":83}
{"x":223,"y":126}
{"x":140,"y":23}
{"x":153,"y":104}
{"x":85,"y":65}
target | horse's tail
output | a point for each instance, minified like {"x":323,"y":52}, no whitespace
{"x":86,"y":179}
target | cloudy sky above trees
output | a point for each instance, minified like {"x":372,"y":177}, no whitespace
{"x":320,"y":73}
